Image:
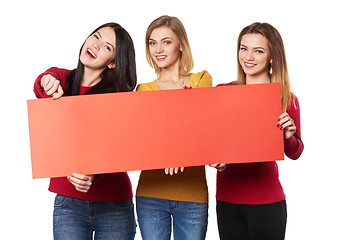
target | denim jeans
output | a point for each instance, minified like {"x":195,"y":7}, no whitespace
{"x":157,"y":216}
{"x":77,"y":219}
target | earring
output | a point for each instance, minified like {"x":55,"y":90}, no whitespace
{"x":270,"y":69}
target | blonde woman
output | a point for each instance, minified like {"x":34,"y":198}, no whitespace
{"x":172,"y":198}
{"x":250,"y":199}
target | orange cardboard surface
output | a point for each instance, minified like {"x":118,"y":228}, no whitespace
{"x":118,"y":132}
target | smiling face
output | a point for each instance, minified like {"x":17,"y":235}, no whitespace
{"x":164,"y":47}
{"x":254,"y":55}
{"x":98,"y":51}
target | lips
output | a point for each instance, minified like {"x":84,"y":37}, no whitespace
{"x":90,"y":53}
{"x":160,"y":57}
{"x":249,"y":65}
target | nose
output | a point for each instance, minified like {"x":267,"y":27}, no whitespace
{"x":159,"y":48}
{"x":250,"y":55}
{"x":96,"y":45}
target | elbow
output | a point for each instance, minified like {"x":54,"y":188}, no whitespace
{"x":294,"y":155}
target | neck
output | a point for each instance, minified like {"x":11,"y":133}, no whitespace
{"x":91,"y":77}
{"x":258,"y":79}
{"x":170,"y":73}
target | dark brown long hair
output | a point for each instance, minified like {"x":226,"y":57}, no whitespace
{"x":121,"y":78}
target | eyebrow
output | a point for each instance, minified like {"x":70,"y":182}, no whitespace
{"x":106,"y":42}
{"x":254,"y":47}
{"x":161,"y":39}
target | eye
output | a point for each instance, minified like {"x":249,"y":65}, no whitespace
{"x":259,"y":51}
{"x":167,"y":42}
{"x":108,"y":48}
{"x":243,"y":49}
{"x":151,"y":43}
{"x":96,"y":36}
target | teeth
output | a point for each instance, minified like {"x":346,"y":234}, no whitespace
{"x":91,"y":52}
{"x":249,"y":64}
{"x":160,"y":57}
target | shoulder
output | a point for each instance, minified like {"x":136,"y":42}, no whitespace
{"x":294,"y":102}
{"x":294,"y":106}
{"x":150,"y":86}
{"x":203,"y":78}
{"x":201,"y":75}
{"x":294,"y":99}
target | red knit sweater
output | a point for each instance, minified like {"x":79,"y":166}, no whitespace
{"x":110,"y":187}
{"x":258,"y":183}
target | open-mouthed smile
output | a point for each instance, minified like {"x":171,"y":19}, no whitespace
{"x":90,"y":53}
{"x":160,"y":57}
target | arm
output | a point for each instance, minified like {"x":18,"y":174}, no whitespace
{"x":290,"y":123}
{"x":205,"y":79}
{"x":50,"y":83}
{"x":82,"y":183}
{"x":43,"y":89}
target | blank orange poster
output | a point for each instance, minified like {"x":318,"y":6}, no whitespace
{"x":117,"y":132}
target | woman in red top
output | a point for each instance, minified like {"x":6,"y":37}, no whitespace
{"x":250,"y":199}
{"x":102,"y":203}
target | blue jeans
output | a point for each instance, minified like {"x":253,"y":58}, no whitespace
{"x":156,"y":217}
{"x":77,"y":219}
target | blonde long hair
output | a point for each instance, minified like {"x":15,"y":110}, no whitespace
{"x":175,"y":25}
{"x":277,"y":53}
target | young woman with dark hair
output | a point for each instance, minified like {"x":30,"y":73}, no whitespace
{"x":88,"y":204}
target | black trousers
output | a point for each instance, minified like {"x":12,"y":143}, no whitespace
{"x":251,"y":222}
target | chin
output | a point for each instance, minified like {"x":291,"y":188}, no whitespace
{"x":162,"y":65}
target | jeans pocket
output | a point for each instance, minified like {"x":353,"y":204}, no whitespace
{"x":60,"y":201}
{"x":123,"y":205}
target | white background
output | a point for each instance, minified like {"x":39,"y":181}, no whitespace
{"x":322,"y":47}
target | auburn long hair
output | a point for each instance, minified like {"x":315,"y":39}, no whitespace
{"x":121,"y":78}
{"x":175,"y":25}
{"x":277,"y":53}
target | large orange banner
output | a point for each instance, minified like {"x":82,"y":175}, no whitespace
{"x":118,"y":132}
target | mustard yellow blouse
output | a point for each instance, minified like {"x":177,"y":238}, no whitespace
{"x":189,"y":185}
